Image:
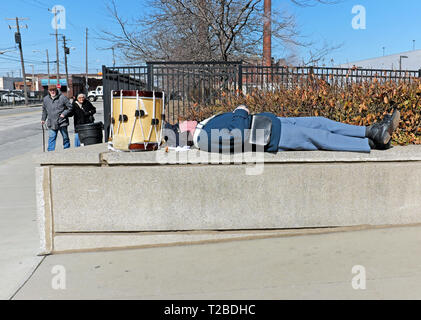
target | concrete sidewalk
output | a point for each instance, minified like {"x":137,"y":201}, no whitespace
{"x":19,"y":240}
{"x":303,"y":267}
{"x":294,"y":267}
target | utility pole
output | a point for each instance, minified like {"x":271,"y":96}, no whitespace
{"x":57,"y":54}
{"x":267,"y":34}
{"x":48,"y":67}
{"x":18,"y":40}
{"x":87,"y":84}
{"x":66,"y":52}
{"x":56,"y":34}
{"x":33,"y":78}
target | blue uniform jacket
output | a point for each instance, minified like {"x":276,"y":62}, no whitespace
{"x":230,"y":130}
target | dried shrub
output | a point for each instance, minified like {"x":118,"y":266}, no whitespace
{"x":357,"y":103}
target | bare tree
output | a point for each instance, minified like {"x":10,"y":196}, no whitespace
{"x":201,"y":30}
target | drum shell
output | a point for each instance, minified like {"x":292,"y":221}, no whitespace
{"x":136,"y":129}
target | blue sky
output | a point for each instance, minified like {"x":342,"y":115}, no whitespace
{"x":91,"y":14}
{"x":389,"y":23}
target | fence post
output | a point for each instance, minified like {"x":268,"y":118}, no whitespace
{"x":150,"y":76}
{"x":240,"y":77}
{"x":311,"y":70}
{"x":419,"y":73}
{"x":106,"y":102}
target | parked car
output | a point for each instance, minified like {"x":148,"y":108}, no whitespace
{"x":18,"y":92}
{"x":11,"y":97}
{"x":94,"y":95}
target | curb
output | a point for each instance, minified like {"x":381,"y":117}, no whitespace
{"x":8,"y":107}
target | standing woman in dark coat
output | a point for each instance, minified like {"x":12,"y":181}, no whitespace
{"x":83,"y":112}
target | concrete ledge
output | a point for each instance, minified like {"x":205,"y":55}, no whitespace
{"x":408,"y":153}
{"x":86,"y":242}
{"x":75,"y":242}
{"x":96,"y":194}
{"x":89,"y":155}
{"x":99,"y":155}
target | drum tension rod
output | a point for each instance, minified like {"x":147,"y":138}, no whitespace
{"x":139,"y":113}
{"x":123,"y":118}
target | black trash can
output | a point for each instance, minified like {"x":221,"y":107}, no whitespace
{"x":90,"y":133}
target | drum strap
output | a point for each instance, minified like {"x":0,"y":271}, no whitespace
{"x":138,"y":114}
{"x":153,"y":123}
{"x":112,"y":110}
{"x":121,"y":117}
{"x":163,"y":119}
{"x":199,"y":127}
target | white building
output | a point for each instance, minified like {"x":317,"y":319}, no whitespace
{"x":410,"y":60}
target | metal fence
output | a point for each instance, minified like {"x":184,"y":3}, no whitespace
{"x":274,"y":77}
{"x":186,"y":83}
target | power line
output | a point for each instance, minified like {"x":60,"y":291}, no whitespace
{"x":40,"y":2}
{"x":36,"y":4}
{"x":33,"y":4}
{"x":11,"y":58}
{"x":3,"y":49}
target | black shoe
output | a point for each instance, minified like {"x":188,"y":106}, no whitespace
{"x":372,"y":144}
{"x":385,"y":146}
{"x":379,"y":133}
{"x":393,"y":120}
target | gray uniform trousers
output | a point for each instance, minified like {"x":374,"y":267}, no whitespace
{"x":319,"y":133}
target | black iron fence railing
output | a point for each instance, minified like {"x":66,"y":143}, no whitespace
{"x":186,"y":83}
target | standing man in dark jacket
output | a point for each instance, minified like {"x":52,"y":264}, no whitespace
{"x":55,"y":109}
{"x":83,"y":113}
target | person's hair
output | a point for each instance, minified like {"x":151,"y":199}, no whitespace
{"x":81,"y":95}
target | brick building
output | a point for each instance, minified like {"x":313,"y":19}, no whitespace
{"x":40,"y":82}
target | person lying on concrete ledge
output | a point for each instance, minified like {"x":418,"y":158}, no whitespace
{"x":232,"y":131}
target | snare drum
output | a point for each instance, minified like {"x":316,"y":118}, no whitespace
{"x":136,"y":120}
